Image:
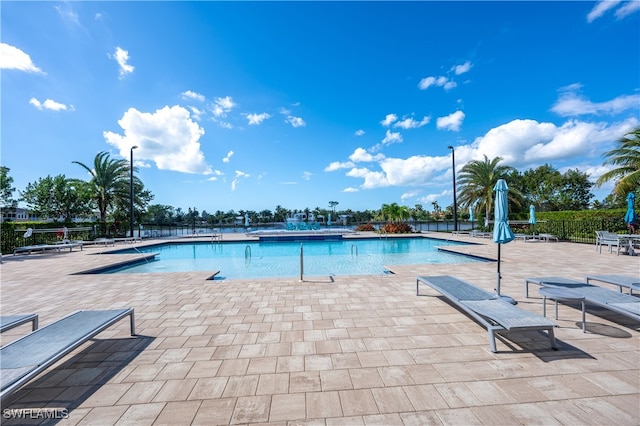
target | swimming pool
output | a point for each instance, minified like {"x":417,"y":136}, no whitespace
{"x":282,"y":259}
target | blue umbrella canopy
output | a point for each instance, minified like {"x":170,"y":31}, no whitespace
{"x":532,"y":214}
{"x":630,"y":216}
{"x":501,"y":232}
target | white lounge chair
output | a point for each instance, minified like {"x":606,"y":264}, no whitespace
{"x":495,"y":314}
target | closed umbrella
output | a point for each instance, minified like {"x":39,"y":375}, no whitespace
{"x":329,"y":221}
{"x":532,"y":218}
{"x":246,"y":221}
{"x":630,"y":217}
{"x":471,"y":218}
{"x":502,"y":233}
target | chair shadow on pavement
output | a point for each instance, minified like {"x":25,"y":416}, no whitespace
{"x":59,"y":390}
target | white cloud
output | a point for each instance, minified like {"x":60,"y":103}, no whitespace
{"x":307,"y":175}
{"x":193,"y":95}
{"x":409,"y":194}
{"x":337,"y":165}
{"x":196,"y":113}
{"x":600,"y":8}
{"x":627,"y":9}
{"x":372,"y":179}
{"x":222,"y":106}
{"x":391,"y":137}
{"x":48,"y":104}
{"x":228,"y":157}
{"x":430,"y":198}
{"x":255,"y":119}
{"x":215,"y":173}
{"x":350,"y":189}
{"x":12,"y":58}
{"x":122,"y":57}
{"x":410,"y":123}
{"x":239,"y":175}
{"x":461,"y":69}
{"x":361,"y":155}
{"x":359,"y":132}
{"x":167,"y":137}
{"x":572,"y":104}
{"x":389,"y":120}
{"x":68,"y":14}
{"x":441,"y":81}
{"x":451,"y":122}
{"x":526,"y":143}
{"x":295,"y":121}
{"x":520,"y":143}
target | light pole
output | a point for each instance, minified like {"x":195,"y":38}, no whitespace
{"x":131,"y":192}
{"x":455,"y":203}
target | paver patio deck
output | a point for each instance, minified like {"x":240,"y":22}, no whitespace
{"x":327,"y":351}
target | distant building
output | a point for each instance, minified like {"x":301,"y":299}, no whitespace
{"x":18,"y":215}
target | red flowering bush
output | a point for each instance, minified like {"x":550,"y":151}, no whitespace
{"x":365,"y":227}
{"x":397,"y":228}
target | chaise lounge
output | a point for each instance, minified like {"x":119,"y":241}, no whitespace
{"x":612,"y":300}
{"x":27,"y":357}
{"x":495,"y":314}
{"x":46,"y":247}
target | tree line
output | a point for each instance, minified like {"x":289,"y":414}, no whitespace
{"x":106,"y":193}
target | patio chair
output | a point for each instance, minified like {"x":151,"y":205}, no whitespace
{"x":607,"y":238}
{"x":612,"y":300}
{"x":495,"y":314}
{"x":27,"y":357}
{"x":12,"y":321}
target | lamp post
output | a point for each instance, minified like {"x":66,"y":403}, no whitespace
{"x":131,"y":192}
{"x":455,"y":203}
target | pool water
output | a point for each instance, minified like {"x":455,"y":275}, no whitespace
{"x":282,"y":259}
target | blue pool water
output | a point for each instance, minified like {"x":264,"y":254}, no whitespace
{"x":282,"y":259}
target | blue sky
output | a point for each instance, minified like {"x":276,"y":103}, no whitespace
{"x":250,"y":105}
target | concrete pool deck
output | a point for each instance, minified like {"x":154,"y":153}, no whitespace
{"x":343,"y":350}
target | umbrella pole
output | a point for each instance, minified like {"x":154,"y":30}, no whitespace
{"x":498,"y":278}
{"x":507,"y":299}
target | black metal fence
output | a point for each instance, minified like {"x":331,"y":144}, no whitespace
{"x":14,"y":235}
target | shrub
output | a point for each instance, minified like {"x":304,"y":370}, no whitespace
{"x":365,"y":227}
{"x":397,"y":228}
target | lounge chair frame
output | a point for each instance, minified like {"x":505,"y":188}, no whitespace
{"x":13,"y":321}
{"x":46,"y":247}
{"x":610,"y":299}
{"x":27,"y":357}
{"x":622,"y":281}
{"x":495,"y":314}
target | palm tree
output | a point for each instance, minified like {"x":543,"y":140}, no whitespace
{"x":394,"y":212}
{"x":627,"y":157}
{"x":476,"y":181}
{"x":109,"y":181}
{"x":332,"y":205}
